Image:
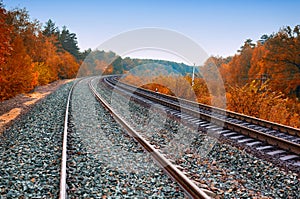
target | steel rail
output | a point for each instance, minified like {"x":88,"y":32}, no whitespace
{"x":270,"y":139}
{"x":189,"y":187}
{"x":63,"y":170}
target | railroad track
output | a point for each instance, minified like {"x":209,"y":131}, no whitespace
{"x":275,"y":140}
{"x":190,"y":188}
{"x":96,"y":155}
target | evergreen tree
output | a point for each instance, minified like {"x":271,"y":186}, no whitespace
{"x":50,"y":29}
{"x":69,"y":42}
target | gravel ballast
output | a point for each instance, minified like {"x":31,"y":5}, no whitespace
{"x":30,"y":150}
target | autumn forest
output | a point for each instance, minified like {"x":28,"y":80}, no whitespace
{"x":32,"y":55}
{"x":262,"y":79}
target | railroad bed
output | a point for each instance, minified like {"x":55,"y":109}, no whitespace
{"x":103,"y":161}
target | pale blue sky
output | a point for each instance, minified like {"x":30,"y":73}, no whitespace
{"x":219,"y":27}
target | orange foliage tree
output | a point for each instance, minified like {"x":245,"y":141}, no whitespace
{"x":276,"y":60}
{"x":68,"y":66}
{"x":50,"y":59}
{"x":5,"y":39}
{"x":259,"y":101}
{"x":236,"y":71}
{"x":280,"y":61}
{"x":257,"y":70}
{"x":21,"y":77}
{"x":179,"y":86}
{"x":28,"y":57}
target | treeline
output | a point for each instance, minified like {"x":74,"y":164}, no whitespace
{"x":99,"y":62}
{"x":32,"y":54}
{"x":262,"y":80}
{"x":150,"y":65}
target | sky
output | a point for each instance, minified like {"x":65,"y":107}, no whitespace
{"x":219,"y":27}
